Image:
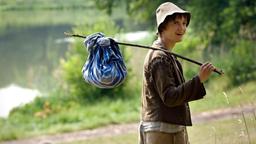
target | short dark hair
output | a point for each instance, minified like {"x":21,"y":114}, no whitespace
{"x":169,"y":18}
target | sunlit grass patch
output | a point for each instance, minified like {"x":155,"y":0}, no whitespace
{"x":225,"y":132}
{"x":218,"y":96}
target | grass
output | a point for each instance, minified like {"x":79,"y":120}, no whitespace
{"x":218,"y":96}
{"x":226,"y":132}
{"x":71,"y":118}
{"x":217,"y":132}
{"x":57,"y":114}
{"x":64,"y":115}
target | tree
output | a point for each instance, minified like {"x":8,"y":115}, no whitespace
{"x":229,"y":29}
{"x":224,"y":22}
{"x":140,"y":10}
{"x":218,"y":21}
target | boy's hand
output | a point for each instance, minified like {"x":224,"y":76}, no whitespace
{"x":205,"y":71}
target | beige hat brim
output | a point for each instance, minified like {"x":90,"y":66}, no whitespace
{"x":171,"y":13}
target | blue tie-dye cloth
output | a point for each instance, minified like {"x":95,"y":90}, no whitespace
{"x":104,"y":67}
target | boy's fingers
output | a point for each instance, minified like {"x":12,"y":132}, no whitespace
{"x":205,"y":65}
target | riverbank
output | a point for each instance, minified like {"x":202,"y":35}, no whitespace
{"x":60,"y":114}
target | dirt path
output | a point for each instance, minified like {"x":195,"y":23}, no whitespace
{"x":113,"y":130}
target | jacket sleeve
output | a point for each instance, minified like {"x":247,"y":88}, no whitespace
{"x":167,"y":88}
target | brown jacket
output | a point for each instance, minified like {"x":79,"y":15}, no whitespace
{"x":165,"y":94}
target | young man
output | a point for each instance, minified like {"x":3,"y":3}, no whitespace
{"x":165,"y":94}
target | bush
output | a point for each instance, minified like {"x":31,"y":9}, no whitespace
{"x":242,"y":63}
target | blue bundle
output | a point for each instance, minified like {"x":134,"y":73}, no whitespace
{"x":104,"y":67}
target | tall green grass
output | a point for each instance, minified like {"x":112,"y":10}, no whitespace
{"x":219,"y":95}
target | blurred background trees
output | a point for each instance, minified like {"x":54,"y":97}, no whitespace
{"x":228,"y":29}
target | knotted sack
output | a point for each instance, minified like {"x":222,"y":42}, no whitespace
{"x":104,"y":66}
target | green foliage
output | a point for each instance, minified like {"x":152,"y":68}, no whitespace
{"x":107,"y":5}
{"x":243,"y":64}
{"x":228,"y":28}
{"x":190,"y":47}
{"x":139,"y":10}
{"x":223,"y":22}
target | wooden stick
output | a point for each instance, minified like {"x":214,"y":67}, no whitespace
{"x":220,"y":72}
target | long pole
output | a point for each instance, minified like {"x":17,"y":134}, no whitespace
{"x":220,"y":72}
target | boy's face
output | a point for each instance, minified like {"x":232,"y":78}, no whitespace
{"x":175,"y":29}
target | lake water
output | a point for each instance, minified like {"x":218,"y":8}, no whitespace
{"x":29,"y":55}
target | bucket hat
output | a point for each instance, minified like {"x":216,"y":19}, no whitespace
{"x":167,"y":9}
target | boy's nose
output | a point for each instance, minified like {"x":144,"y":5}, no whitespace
{"x":182,"y":27}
